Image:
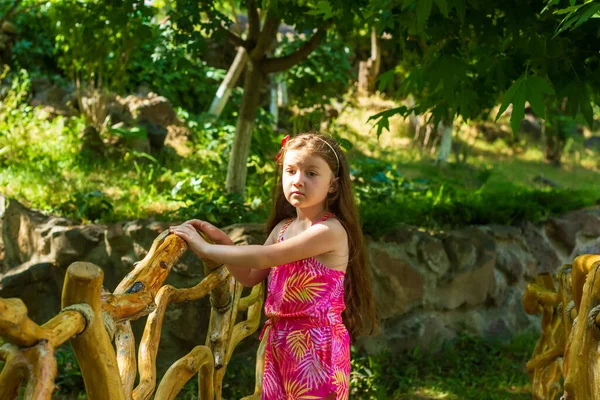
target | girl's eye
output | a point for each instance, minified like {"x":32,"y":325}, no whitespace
{"x":290,"y":171}
{"x":311,"y":173}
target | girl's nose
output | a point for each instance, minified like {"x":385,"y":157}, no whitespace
{"x":298,"y":179}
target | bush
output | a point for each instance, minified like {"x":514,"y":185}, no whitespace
{"x":168,"y":68}
{"x":447,"y":203}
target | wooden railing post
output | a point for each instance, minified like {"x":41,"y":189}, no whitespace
{"x":93,"y":348}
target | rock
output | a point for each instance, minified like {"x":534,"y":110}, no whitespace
{"x":564,"y":231}
{"x":432,"y":253}
{"x":31,"y":283}
{"x":469,"y":288}
{"x":467,"y":249}
{"x":397,"y":286}
{"x":513,"y":257}
{"x":470,"y":279}
{"x":542,"y":181}
{"x":541,"y":250}
{"x":592,"y":143}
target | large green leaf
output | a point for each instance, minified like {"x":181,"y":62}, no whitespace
{"x":384,"y":116}
{"x":423,"y":12}
{"x":324,"y":8}
{"x":527,"y":88}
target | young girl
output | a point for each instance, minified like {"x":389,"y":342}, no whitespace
{"x":319,"y":291}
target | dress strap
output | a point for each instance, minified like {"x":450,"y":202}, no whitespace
{"x":324,"y":218}
{"x":283,"y":228}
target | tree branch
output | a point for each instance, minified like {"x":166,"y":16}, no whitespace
{"x":233,"y":38}
{"x":9,"y":12}
{"x":253,"y":21}
{"x":238,"y":26}
{"x":266,"y":38}
{"x":282,"y":63}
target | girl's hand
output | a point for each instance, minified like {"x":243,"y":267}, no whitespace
{"x":187,"y":231}
{"x":212,"y":232}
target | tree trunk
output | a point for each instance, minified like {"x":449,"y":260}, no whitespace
{"x":274,"y":104}
{"x":233,"y":75}
{"x":236,"y":170}
{"x":282,"y":93}
{"x":554,"y":144}
{"x":375,"y":54}
{"x":445,"y":130}
{"x":368,"y":70}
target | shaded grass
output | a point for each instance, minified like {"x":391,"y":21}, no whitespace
{"x":468,"y":368}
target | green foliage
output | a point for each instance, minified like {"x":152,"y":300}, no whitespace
{"x":445,"y":204}
{"x":34,"y":44}
{"x":201,"y":190}
{"x":576,"y":14}
{"x":460,"y":56}
{"x":88,"y":207}
{"x":94,"y":39}
{"x":526,"y":88}
{"x":203,"y":199}
{"x":69,"y":381}
{"x":15,"y":98}
{"x":324,"y":75}
{"x":169,"y":68}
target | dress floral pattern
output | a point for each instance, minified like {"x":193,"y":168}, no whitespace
{"x":308,"y":347}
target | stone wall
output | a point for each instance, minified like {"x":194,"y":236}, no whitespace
{"x":428,"y":286}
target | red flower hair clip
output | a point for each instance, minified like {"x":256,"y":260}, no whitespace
{"x":283,"y":143}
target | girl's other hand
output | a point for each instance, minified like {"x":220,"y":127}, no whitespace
{"x":212,"y":232}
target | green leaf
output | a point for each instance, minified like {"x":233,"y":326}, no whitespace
{"x":322,"y":7}
{"x":537,"y":88}
{"x":461,"y":9}
{"x":587,"y":14}
{"x":443,"y":6}
{"x":385,"y":79}
{"x":508,"y":96}
{"x":384,"y":117}
{"x":516,"y":94}
{"x":588,"y":112}
{"x":345,"y":144}
{"x":518,"y":111}
{"x":537,"y":103}
{"x":423,"y":12}
{"x":568,"y":10}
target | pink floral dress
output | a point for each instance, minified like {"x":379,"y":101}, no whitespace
{"x":307,"y":354}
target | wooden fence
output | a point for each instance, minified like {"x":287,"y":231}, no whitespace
{"x":91,"y":319}
{"x":568,"y":350}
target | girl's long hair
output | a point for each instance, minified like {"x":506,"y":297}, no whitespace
{"x":359,"y":315}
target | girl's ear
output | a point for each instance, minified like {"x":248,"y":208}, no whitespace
{"x":334,"y":185}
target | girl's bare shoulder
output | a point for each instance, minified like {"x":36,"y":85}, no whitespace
{"x":336,"y":226}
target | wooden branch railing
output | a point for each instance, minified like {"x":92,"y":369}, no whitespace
{"x":570,"y":338}
{"x":91,"y":319}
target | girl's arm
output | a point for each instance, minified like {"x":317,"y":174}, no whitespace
{"x":243,"y":274}
{"x":318,"y":239}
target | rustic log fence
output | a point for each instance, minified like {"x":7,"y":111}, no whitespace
{"x":569,"y":344}
{"x":91,"y":319}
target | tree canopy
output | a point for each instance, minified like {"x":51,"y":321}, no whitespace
{"x":460,"y":58}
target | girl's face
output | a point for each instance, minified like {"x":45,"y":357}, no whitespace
{"x":306,"y":179}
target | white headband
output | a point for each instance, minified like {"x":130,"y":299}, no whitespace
{"x":334,"y":153}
